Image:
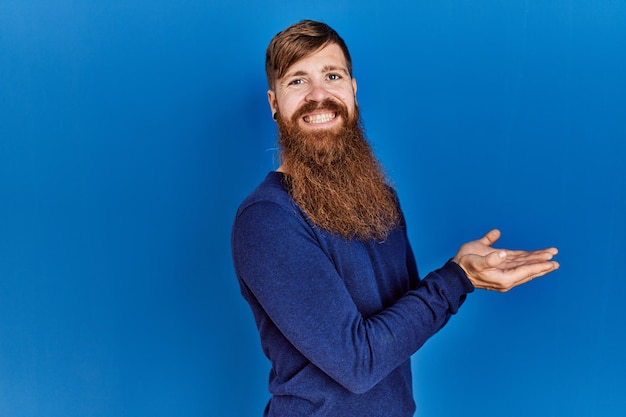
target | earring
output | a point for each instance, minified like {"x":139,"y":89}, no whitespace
{"x":274,"y":116}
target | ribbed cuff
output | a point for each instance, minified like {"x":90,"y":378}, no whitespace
{"x":457,"y":276}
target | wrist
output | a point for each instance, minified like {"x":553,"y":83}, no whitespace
{"x":453,"y":265}
{"x":457,"y":260}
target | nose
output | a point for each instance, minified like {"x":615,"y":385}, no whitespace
{"x":317,"y":92}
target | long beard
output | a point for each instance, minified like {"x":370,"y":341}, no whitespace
{"x":335,"y":178}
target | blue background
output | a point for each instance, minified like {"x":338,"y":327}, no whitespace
{"x":130,"y":130}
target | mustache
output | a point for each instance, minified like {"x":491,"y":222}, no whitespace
{"x":326,"y":104}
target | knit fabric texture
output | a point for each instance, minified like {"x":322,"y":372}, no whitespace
{"x":338,"y":319}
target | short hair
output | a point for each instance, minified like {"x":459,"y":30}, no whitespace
{"x":296,"y":42}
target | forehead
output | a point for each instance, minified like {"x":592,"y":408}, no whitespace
{"x":330,"y":56}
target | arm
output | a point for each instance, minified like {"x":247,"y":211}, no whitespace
{"x":280,"y":261}
{"x":501,"y":269}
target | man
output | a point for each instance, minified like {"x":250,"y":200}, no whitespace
{"x":321,"y":251}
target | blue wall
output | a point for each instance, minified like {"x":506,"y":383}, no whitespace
{"x":130,"y":131}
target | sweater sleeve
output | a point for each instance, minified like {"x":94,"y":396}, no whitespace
{"x":279,"y":260}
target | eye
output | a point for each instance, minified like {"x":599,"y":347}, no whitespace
{"x":334,"y":77}
{"x":297,"y":81}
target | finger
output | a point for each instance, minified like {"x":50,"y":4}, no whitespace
{"x":491,"y":237}
{"x":529,"y":257}
{"x":519,"y":252}
{"x":523,"y":276}
{"x":520,"y":258}
{"x":511,"y":254}
{"x":495,"y":258}
{"x":526,"y":273}
{"x":553,"y":251}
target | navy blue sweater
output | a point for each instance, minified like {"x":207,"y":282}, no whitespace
{"x":338,"y":319}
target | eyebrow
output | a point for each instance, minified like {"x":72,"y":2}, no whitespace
{"x":326,"y":68}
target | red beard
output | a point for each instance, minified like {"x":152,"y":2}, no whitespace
{"x":334,"y":176}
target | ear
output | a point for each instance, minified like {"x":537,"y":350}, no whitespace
{"x":354,"y":88}
{"x":271,"y":99}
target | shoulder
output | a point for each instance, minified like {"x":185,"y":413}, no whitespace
{"x":269,"y":210}
{"x":269,"y":225}
{"x":270,"y":194}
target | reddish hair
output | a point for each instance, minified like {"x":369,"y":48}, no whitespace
{"x":296,"y":42}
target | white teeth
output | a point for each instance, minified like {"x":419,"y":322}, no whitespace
{"x":320,"y":118}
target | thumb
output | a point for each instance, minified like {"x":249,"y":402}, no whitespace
{"x":495,"y":258}
{"x":491,"y":237}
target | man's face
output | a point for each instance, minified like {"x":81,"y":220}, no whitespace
{"x":332,"y":173}
{"x":322,"y":76}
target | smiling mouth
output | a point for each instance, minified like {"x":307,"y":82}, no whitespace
{"x":319,"y":118}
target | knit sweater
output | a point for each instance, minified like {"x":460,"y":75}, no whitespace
{"x":338,"y":319}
